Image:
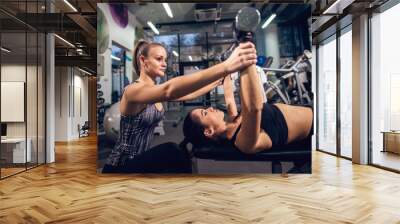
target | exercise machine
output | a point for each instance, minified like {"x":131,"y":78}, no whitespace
{"x":294,"y":73}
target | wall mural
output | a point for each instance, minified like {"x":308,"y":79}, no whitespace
{"x":154,"y":138}
{"x":119,"y":13}
{"x":103,"y":32}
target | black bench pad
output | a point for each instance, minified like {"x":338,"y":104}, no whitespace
{"x":298,"y":151}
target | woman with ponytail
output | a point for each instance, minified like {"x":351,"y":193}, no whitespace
{"x":141,"y":108}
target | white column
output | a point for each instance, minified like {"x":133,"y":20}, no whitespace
{"x":50,"y":101}
{"x":314,"y":90}
{"x":50,"y":92}
{"x":360,"y":90}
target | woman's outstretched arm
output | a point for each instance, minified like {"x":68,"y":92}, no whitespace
{"x":251,"y":138}
{"x":243,"y":56}
{"x":206,"y":89}
{"x":230,"y":98}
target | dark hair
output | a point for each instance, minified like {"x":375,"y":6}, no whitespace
{"x":142,"y":48}
{"x":194,"y":133}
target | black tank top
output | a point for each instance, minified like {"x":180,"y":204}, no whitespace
{"x":273,"y":123}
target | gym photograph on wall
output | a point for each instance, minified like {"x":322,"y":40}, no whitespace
{"x":204,"y":88}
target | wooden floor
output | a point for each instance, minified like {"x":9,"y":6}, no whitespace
{"x":387,"y":159}
{"x":10,"y":171}
{"x":70,"y":191}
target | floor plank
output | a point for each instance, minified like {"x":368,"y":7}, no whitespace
{"x":70,"y":191}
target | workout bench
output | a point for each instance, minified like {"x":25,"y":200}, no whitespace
{"x":299,"y":153}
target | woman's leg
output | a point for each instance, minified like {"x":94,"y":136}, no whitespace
{"x":163,"y":158}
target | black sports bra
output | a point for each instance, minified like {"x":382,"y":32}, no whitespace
{"x":273,"y":123}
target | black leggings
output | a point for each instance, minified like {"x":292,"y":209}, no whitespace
{"x":163,"y":158}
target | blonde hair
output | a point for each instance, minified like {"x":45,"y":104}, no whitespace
{"x":142,"y":48}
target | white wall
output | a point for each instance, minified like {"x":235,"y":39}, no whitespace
{"x":124,"y":37}
{"x":104,"y":78}
{"x":61,"y":103}
{"x":272,"y":44}
{"x":80,"y":83}
{"x":12,"y":73}
{"x":67,"y":115}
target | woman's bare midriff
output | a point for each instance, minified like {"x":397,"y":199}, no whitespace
{"x":298,"y":119}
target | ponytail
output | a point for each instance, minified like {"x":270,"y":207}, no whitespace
{"x":137,"y":51}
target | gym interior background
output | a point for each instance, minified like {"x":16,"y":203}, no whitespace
{"x":194,"y":44}
{"x":49,"y":86}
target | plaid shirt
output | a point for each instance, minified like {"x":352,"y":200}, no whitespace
{"x":136,"y":133}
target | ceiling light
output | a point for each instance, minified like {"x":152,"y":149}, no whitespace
{"x":268,"y":21}
{"x":175,"y":53}
{"x":86,"y":72}
{"x":70,"y":5}
{"x":151,"y":25}
{"x":64,"y":40}
{"x":5,"y":49}
{"x":168,"y":9}
{"x":190,"y":58}
{"x":115,"y":58}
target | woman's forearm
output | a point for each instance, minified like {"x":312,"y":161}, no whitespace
{"x":229,"y":97}
{"x":250,"y":90}
{"x":186,"y":84}
{"x":206,"y":89}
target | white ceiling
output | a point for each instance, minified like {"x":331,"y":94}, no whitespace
{"x":183,"y":12}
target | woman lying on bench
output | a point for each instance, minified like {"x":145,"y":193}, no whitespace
{"x":258,"y":127}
